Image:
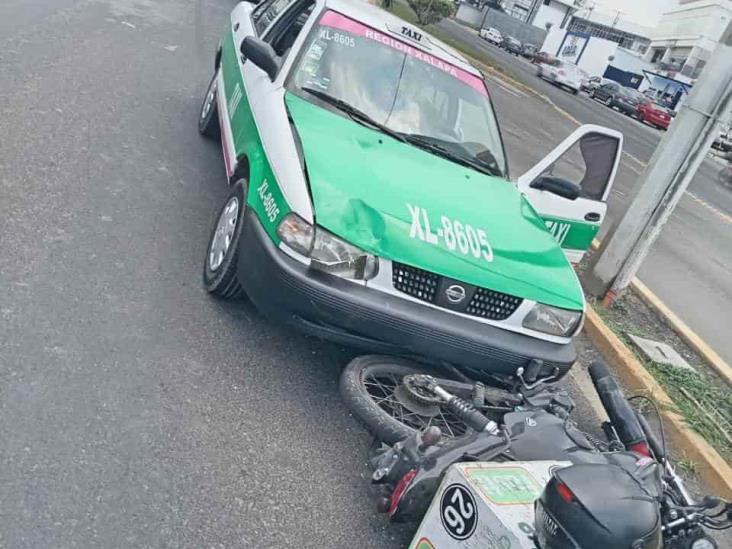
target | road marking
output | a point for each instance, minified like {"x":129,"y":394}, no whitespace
{"x":630,"y":167}
{"x":636,"y":160}
{"x":718,"y":213}
{"x":619,"y":194}
{"x":506,"y":86}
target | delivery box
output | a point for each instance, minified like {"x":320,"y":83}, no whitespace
{"x":484,"y":505}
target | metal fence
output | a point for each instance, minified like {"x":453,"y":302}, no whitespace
{"x":469,"y":15}
{"x":507,"y":25}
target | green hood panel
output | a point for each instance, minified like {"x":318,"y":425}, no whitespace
{"x":363,"y":181}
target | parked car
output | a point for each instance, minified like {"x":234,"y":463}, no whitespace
{"x":543,"y":57}
{"x":512,"y":45}
{"x":338,"y":220}
{"x":614,"y":95}
{"x":529,"y":51}
{"x":563,"y":74}
{"x":654,"y":114}
{"x":592,"y":83}
{"x":629,"y":99}
{"x":723,"y":143}
{"x":491,"y":35}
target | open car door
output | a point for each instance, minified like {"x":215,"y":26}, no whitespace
{"x":589,"y":157}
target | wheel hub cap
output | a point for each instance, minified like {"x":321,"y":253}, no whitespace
{"x":389,"y":393}
{"x":224,"y":234}
{"x":209,"y":100}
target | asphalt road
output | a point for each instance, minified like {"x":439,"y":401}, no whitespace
{"x":136,"y":411}
{"x":690,"y":266}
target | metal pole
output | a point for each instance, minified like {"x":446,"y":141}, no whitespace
{"x":665,"y":179}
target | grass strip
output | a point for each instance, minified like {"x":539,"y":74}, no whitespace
{"x":715,"y":400}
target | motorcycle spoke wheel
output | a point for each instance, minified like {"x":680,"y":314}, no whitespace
{"x":381,"y":388}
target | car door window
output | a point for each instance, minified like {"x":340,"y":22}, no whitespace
{"x":286,"y":30}
{"x":589,"y":163}
{"x":266,"y":13}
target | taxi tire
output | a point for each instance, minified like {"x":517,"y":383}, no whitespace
{"x":224,"y":282}
{"x":209,"y":125}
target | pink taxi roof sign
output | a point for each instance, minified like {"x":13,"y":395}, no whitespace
{"x":341,"y":22}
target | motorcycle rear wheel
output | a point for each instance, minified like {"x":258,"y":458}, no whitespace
{"x":368,"y":386}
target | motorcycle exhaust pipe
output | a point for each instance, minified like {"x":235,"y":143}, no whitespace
{"x":621,"y":414}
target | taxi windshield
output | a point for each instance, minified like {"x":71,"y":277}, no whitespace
{"x":417,"y":96}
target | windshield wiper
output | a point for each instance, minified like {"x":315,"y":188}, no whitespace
{"x":420,"y":141}
{"x":471,"y":162}
{"x":355,"y":114}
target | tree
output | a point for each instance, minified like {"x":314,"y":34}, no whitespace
{"x":431,"y":11}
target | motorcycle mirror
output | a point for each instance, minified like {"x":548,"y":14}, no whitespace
{"x":430,"y":437}
{"x":710,"y":502}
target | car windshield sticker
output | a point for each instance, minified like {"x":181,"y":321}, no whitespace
{"x":338,"y":21}
{"x":506,"y":486}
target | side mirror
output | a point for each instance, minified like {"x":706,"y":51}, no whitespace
{"x":557,"y":185}
{"x":261,"y":54}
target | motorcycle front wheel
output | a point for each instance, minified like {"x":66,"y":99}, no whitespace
{"x":372,"y":388}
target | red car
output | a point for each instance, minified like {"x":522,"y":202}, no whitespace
{"x":654,"y":114}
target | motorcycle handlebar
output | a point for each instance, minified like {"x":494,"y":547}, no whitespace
{"x":618,"y":408}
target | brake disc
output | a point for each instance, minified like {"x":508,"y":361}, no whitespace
{"x":415,"y":395}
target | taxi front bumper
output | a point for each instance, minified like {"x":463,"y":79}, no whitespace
{"x":339,"y":310}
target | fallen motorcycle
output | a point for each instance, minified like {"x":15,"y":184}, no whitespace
{"x":617,"y":491}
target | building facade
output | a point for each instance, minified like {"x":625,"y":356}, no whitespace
{"x":685,"y":37}
{"x":540,"y":13}
{"x":623,"y":34}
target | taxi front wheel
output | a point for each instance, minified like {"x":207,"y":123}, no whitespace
{"x":208,"y":119}
{"x":222,"y":254}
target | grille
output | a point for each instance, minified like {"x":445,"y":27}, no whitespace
{"x":424,"y":285}
{"x":492,"y":305}
{"x":415,"y":282}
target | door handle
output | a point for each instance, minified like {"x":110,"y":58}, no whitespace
{"x":592,"y":216}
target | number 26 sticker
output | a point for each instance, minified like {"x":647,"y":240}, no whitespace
{"x":458,"y":511}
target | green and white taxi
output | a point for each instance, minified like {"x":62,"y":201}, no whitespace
{"x":370,"y":201}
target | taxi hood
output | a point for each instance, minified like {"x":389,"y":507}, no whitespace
{"x":372,"y":191}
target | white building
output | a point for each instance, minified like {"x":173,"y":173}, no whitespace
{"x":685,"y":37}
{"x":518,"y":9}
{"x":555,"y":13}
{"x":541,"y":12}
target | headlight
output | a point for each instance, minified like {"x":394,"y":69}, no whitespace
{"x":327,"y":252}
{"x":552,"y":320}
{"x":297,"y":233}
{"x":704,"y":543}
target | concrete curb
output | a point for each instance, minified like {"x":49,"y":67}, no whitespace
{"x":715,"y":361}
{"x":712,"y":469}
{"x":709,"y":355}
